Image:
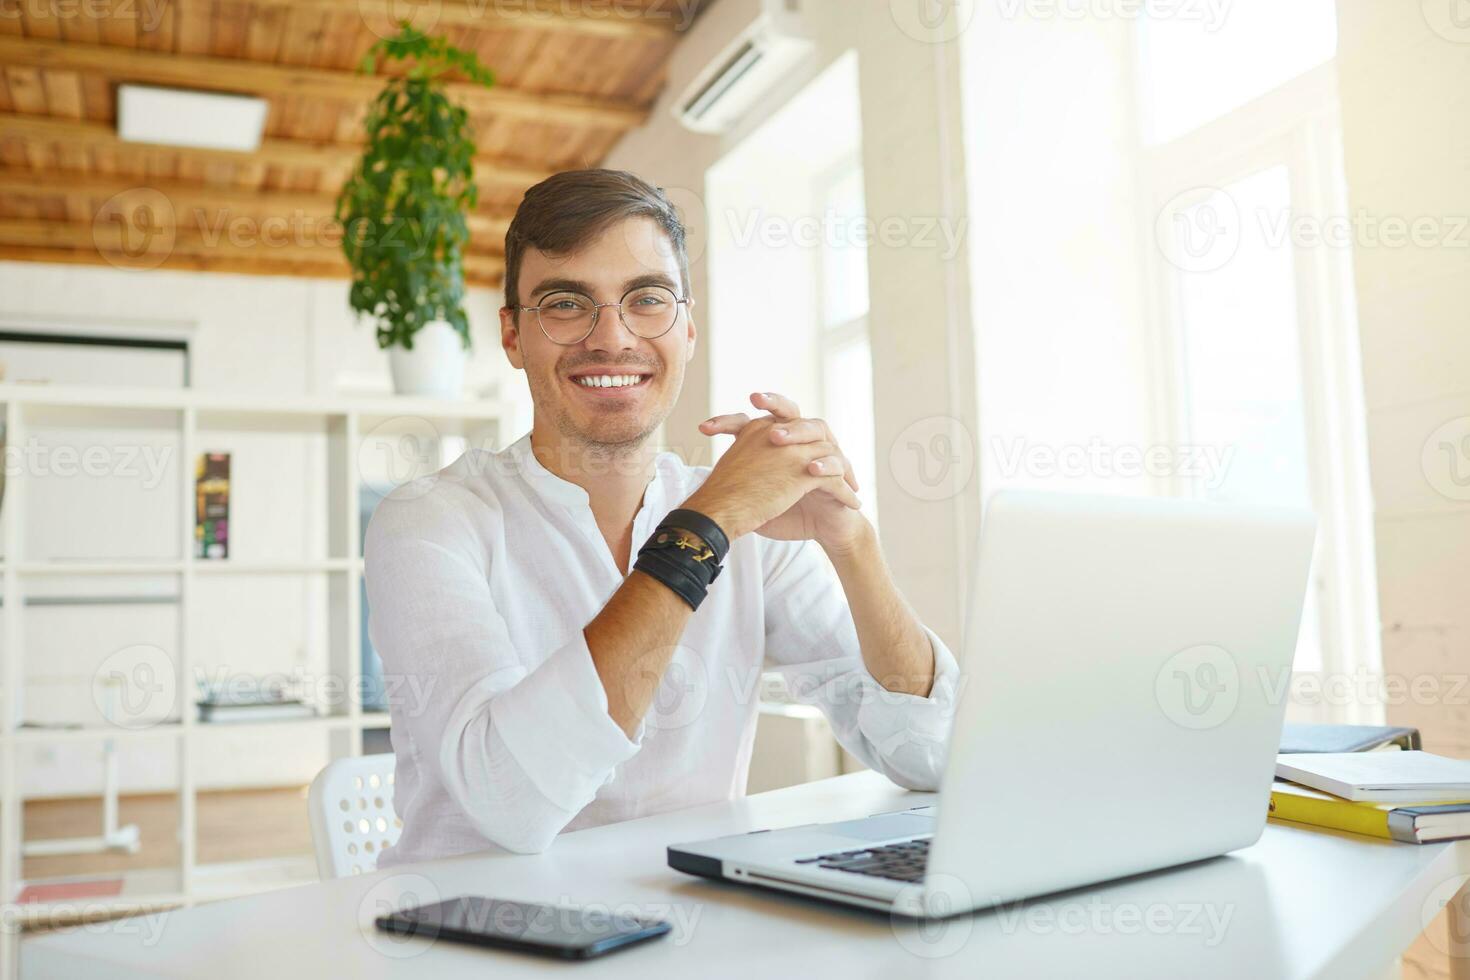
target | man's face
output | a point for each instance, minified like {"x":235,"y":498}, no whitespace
{"x":632,"y":252}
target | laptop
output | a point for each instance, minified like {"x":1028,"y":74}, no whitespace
{"x":1123,"y":686}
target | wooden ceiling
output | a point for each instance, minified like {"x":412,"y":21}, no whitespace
{"x":572,"y":77}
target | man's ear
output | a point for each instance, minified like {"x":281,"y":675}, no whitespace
{"x":693,"y":334}
{"x":510,"y":338}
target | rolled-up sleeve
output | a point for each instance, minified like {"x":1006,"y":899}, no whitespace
{"x":812,"y":642}
{"x":520,"y":751}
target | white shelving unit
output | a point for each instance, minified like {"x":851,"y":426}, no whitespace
{"x":347,"y":425}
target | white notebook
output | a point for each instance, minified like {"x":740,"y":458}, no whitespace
{"x":1380,"y":777}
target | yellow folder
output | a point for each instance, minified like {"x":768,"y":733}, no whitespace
{"x":1299,"y":804}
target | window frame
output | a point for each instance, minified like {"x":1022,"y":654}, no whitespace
{"x":1297,"y":125}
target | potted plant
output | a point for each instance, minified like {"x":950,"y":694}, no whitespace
{"x":403,"y":213}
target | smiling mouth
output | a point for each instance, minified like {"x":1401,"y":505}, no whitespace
{"x":610,"y":382}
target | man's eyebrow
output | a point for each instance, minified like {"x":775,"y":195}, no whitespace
{"x":578,"y":286}
{"x":560,"y":285}
{"x":652,"y":279}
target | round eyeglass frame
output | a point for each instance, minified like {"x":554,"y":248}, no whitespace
{"x":687,"y":302}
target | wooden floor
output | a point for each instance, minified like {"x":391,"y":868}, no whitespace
{"x":234,"y":825}
{"x":243,"y":825}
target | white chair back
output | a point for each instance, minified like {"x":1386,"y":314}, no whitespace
{"x":352,"y":818}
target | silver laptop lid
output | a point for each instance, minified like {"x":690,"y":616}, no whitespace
{"x":1125,"y":674}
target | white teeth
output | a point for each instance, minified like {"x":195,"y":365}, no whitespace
{"x":608,"y":380}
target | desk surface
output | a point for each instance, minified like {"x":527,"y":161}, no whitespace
{"x":1299,"y":903}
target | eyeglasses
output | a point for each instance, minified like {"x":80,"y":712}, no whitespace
{"x":569,"y":318}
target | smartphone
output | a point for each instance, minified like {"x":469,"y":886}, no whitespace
{"x":564,"y":931}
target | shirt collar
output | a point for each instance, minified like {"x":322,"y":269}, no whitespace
{"x":549,"y":485}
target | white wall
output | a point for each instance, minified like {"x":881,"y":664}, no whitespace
{"x":259,"y":337}
{"x":1404,"y":76}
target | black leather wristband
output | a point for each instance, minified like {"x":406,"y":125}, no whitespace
{"x":684,"y":553}
{"x":705,"y":527}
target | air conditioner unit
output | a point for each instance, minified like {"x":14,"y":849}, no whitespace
{"x":732,"y":57}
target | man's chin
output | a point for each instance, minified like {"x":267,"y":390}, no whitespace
{"x":612,"y":433}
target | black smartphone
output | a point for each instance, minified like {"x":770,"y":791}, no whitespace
{"x":564,"y":931}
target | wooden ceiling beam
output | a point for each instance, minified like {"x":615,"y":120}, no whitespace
{"x":187,"y":263}
{"x":191,"y":263}
{"x":661,"y":22}
{"x":490,"y":173}
{"x":125,"y":247}
{"x":239,"y":75}
{"x":204,"y":207}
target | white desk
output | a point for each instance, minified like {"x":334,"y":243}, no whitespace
{"x":1298,"y":904}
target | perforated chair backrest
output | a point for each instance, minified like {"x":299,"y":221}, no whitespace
{"x":352,"y":818}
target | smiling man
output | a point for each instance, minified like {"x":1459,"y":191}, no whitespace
{"x":588,"y":618}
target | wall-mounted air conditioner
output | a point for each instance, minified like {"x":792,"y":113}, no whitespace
{"x":732,"y":57}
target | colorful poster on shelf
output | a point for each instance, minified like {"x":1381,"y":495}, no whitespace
{"x":212,"y":506}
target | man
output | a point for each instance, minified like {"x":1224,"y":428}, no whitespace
{"x":589,"y":618}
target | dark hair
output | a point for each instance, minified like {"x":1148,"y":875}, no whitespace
{"x":567,"y":210}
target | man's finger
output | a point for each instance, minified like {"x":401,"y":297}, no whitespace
{"x":778,"y":405}
{"x":798,"y":430}
{"x":834,"y":465}
{"x":836,"y":486}
{"x":724,"y":424}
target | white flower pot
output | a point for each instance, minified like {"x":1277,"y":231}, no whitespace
{"x":435,"y":366}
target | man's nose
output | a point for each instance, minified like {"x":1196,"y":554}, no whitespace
{"x":609,"y":332}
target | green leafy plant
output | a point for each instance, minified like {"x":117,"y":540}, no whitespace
{"x":403,"y":209}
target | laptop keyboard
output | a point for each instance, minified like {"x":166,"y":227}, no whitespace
{"x":903,"y":861}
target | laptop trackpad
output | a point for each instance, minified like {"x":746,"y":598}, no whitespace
{"x":885,"y":827}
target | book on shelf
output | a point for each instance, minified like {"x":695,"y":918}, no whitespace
{"x":69,"y":891}
{"x":214,"y":714}
{"x":212,"y":506}
{"x":1412,"y":823}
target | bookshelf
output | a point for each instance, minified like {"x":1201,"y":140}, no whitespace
{"x":353,"y":439}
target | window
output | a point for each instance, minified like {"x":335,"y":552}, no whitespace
{"x":1196,"y":70}
{"x":1258,"y":339}
{"x":846,"y":354}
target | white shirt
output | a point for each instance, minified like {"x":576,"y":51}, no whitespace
{"x":480,"y":581}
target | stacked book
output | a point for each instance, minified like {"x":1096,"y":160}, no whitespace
{"x":248,"y":701}
{"x":1415,"y":797}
